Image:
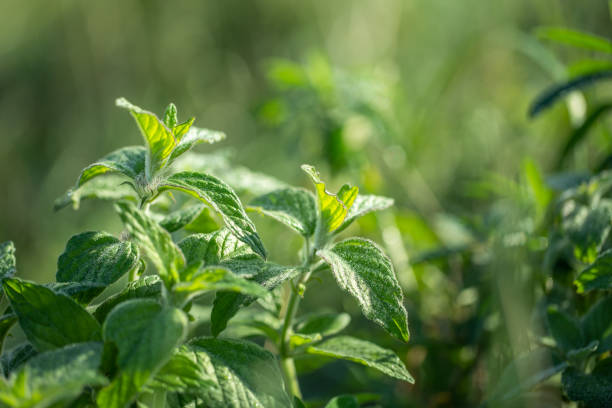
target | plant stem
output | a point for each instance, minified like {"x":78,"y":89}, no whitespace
{"x":287,"y":363}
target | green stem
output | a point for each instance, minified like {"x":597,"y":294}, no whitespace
{"x":287,"y":363}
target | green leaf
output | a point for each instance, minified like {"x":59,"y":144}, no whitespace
{"x":597,"y":324}
{"x":565,"y":330}
{"x":598,"y":276}
{"x":183,"y":373}
{"x":156,"y":242}
{"x":294,"y":207}
{"x":551,"y":95}
{"x":523,"y":373}
{"x":332,"y":208}
{"x":325,"y":324}
{"x":8,"y":263}
{"x":195,"y":136}
{"x":145,"y":334}
{"x":158,"y":138}
{"x":343,"y":401}
{"x":591,"y":389}
{"x":42,"y":316}
{"x":197,"y":281}
{"x":588,"y":230}
{"x":227,"y":304}
{"x":179,"y":218}
{"x":245,"y":374}
{"x":110,"y":187}
{"x":170,"y":116}
{"x":97,"y":258}
{"x":222,"y":199}
{"x":363,"y":270}
{"x":83,"y":293}
{"x":365,"y":204}
{"x":363,"y":352}
{"x":129,"y":161}
{"x":6,"y":323}
{"x":16,"y":357}
{"x":575,"y":38}
{"x":221,"y":248}
{"x":145,"y":287}
{"x":181,"y":129}
{"x":54,"y":377}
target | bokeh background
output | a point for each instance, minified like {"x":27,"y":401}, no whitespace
{"x":424,"y":101}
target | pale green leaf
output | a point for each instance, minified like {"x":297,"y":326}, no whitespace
{"x":206,"y":221}
{"x":154,"y":240}
{"x":181,"y":129}
{"x":365,"y":204}
{"x":575,"y":38}
{"x":97,"y":258}
{"x":598,"y":276}
{"x":110,"y":187}
{"x":192,"y":137}
{"x":245,"y":374}
{"x":7,"y":259}
{"x":170,"y":116}
{"x":179,"y":218}
{"x":325,"y":324}
{"x":223,"y":199}
{"x":159,"y":139}
{"x":363,"y":270}
{"x":227,"y":304}
{"x":129,"y":161}
{"x":42,"y":316}
{"x":183,"y":373}
{"x":294,"y":207}
{"x":564,"y":329}
{"x":363,"y":352}
{"x":145,"y":334}
{"x":593,"y":389}
{"x":299,"y":339}
{"x":145,"y":287}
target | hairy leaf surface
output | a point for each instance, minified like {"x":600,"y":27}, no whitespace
{"x":325,"y":324}
{"x":365,"y":204}
{"x":294,"y":207}
{"x":363,"y":270}
{"x":145,"y":287}
{"x":7,"y":259}
{"x":192,"y":137}
{"x":129,"y":161}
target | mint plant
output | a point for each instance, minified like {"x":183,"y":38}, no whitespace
{"x":117,"y":328}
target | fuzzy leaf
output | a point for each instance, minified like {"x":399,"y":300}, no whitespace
{"x":129,"y":161}
{"x":325,"y":324}
{"x":588,"y":230}
{"x":598,"y":276}
{"x":171,"y":116}
{"x":145,"y":334}
{"x":565,"y":330}
{"x":363,"y":352}
{"x":145,"y":287}
{"x":591,"y":389}
{"x":227,"y":304}
{"x":222,"y":198}
{"x":42,"y":316}
{"x":156,"y":242}
{"x":192,"y":137}
{"x":54,"y":377}
{"x":179,"y":218}
{"x":110,"y":187}
{"x":97,"y":258}
{"x":7,"y":259}
{"x":332,"y":209}
{"x":218,"y":248}
{"x":294,"y":207}
{"x":158,"y":138}
{"x":183,"y":373}
{"x":14,"y":358}
{"x":363,"y":270}
{"x":181,"y":129}
{"x":245,"y":374}
{"x":365,"y":204}
{"x":82,"y":293}
{"x":6,"y":323}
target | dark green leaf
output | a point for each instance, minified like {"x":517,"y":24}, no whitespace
{"x":598,"y":276}
{"x":7,"y":259}
{"x":363,"y":352}
{"x":156,"y":242}
{"x":363,"y":270}
{"x":145,"y":333}
{"x":343,"y":401}
{"x":96,"y":258}
{"x":129,"y":161}
{"x":220,"y":248}
{"x":183,"y":373}
{"x":6,"y":323}
{"x":222,"y":198}
{"x":245,"y":374}
{"x":14,"y":358}
{"x":145,"y":287}
{"x":588,"y":229}
{"x":547,"y":98}
{"x":42,"y":316}
{"x":575,"y":38}
{"x":325,"y":324}
{"x":227,"y":304}
{"x":591,"y":389}
{"x":565,"y":330}
{"x":83,"y":293}
{"x":179,"y":218}
{"x":597,"y":324}
{"x":294,"y":207}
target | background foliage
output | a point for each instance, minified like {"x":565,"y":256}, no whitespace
{"x":422,"y":101}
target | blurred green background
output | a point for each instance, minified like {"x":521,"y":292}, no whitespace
{"x":424,"y":101}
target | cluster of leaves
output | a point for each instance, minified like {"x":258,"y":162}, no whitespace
{"x":116,"y":328}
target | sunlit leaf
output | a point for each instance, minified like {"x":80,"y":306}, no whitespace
{"x":294,"y":207}
{"x":129,"y":161}
{"x":575,"y":38}
{"x":597,"y":276}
